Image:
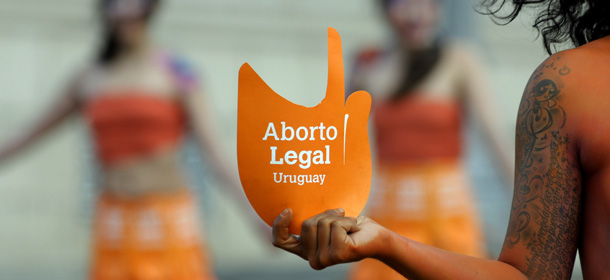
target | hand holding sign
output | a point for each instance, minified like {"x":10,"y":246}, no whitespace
{"x":306,"y":159}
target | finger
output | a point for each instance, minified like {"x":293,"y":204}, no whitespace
{"x":280,"y":226}
{"x":324,"y":254}
{"x":340,"y":229}
{"x":281,"y":235}
{"x":324,"y":231}
{"x":361,"y":219}
{"x":342,"y":247}
{"x":309,"y":234}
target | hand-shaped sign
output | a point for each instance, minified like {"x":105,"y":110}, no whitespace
{"x":306,"y":159}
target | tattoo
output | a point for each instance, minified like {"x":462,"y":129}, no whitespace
{"x":545,"y":214}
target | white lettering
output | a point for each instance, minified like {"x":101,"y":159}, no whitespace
{"x":304,"y":129}
{"x":273,"y":157}
{"x":299,"y":179}
{"x":318,"y":157}
{"x":328,"y":133}
{"x":275,"y":179}
{"x":322,"y":131}
{"x":270,"y":132}
{"x":305,"y":162}
{"x":291,"y":157}
{"x":312,"y":131}
{"x":287,"y":128}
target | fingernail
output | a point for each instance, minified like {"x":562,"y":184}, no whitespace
{"x":341,"y":210}
{"x":285,"y":212}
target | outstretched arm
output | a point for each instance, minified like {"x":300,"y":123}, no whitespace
{"x":330,"y":238}
{"x":62,"y":108}
{"x":203,"y":126}
{"x":478,"y":96}
{"x":542,"y":235}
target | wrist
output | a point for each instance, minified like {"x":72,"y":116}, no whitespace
{"x":393,"y":247}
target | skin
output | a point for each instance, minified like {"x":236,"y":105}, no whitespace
{"x":135,"y":67}
{"x":561,"y":199}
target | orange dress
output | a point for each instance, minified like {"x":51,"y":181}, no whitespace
{"x":149,"y":237}
{"x":421,"y":190}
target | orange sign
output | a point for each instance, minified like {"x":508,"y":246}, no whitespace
{"x":309,"y":159}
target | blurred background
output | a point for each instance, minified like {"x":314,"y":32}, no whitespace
{"x":45,"y":195}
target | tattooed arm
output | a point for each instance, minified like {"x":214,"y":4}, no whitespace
{"x":542,"y":236}
{"x":543,"y":230}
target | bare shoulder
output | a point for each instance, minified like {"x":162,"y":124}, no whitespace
{"x":78,"y":82}
{"x":368,"y":56}
{"x":576,"y":67}
{"x":465,"y":61}
{"x":561,"y":73}
{"x":586,"y":97}
{"x":574,"y":79}
{"x":543,"y":231}
{"x":463,"y":52}
{"x":461,"y":48}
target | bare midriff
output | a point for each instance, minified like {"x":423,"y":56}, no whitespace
{"x":137,"y":138}
{"x":158,"y":173}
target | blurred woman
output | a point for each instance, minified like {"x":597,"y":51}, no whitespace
{"x":561,"y":200}
{"x":422,"y":86}
{"x":138,"y":101}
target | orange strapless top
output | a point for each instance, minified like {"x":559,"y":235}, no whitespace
{"x":412,"y":129}
{"x":131,"y":125}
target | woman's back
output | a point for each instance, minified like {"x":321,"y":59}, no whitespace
{"x":587,"y":99}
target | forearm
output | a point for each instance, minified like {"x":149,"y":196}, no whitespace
{"x":223,"y":168}
{"x":9,"y":150}
{"x":219,"y":163}
{"x":502,"y":151}
{"x":419,"y":261}
{"x":233,"y":186}
{"x":206,"y":136}
{"x":485,"y":112}
{"x":58,"y":114}
{"x":18,"y":145}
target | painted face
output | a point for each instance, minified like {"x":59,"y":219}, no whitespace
{"x":127,"y":18}
{"x":415,"y":21}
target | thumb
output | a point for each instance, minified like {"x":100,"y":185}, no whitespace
{"x":280,"y":226}
{"x":282,"y":237}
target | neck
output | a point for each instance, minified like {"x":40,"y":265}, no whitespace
{"x":140,"y":49}
{"x":409,"y":48}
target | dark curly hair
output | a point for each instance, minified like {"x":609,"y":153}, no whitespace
{"x":558,"y":21}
